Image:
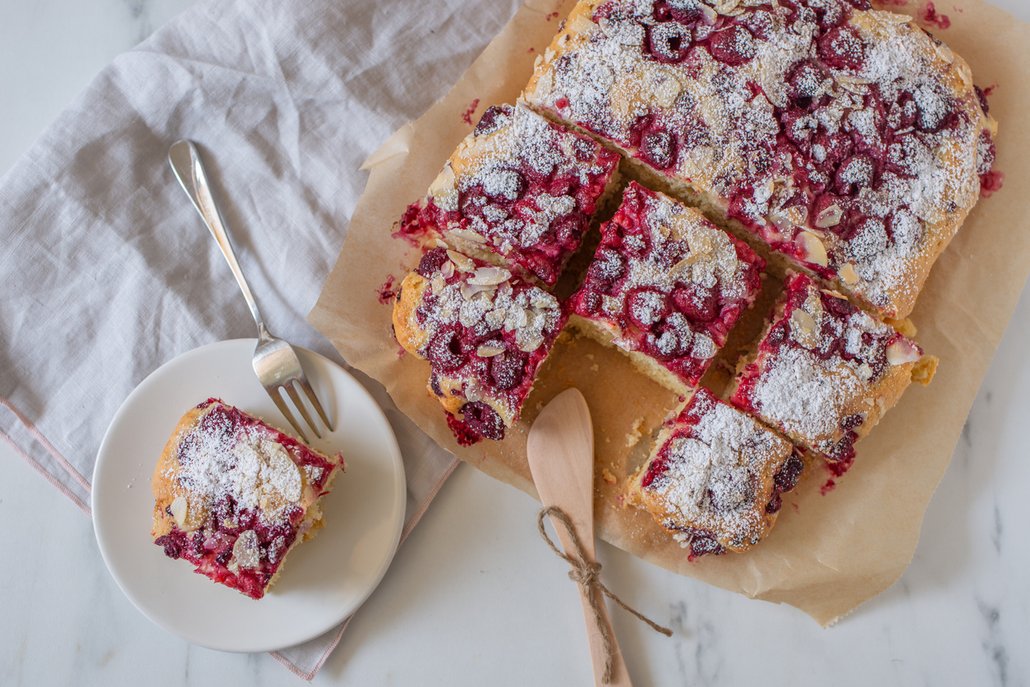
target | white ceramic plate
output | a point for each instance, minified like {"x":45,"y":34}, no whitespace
{"x":324,"y":580}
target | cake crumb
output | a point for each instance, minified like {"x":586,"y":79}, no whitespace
{"x":934,"y":18}
{"x":607,"y":476}
{"x":635,"y":433}
{"x":905,"y":327}
{"x":386,"y":294}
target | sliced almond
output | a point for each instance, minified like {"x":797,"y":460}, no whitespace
{"x":245,"y":551}
{"x":945,"y":53}
{"x":447,"y":270}
{"x":495,"y":318}
{"x":830,"y":216}
{"x":803,"y":327}
{"x":531,"y":343}
{"x":815,"y":251}
{"x":438,"y":283}
{"x":581,"y":24}
{"x":462,"y":262}
{"x":683,"y":264}
{"x":701,"y":243}
{"x":902,"y":352}
{"x":667,"y":91}
{"x":470,"y":291}
{"x":489,"y":276}
{"x":488,"y":351}
{"x":468,"y":235}
{"x":803,"y":321}
{"x":472,"y":392}
{"x":541,"y":299}
{"x":179,"y":508}
{"x":444,"y":182}
{"x":847,"y":274}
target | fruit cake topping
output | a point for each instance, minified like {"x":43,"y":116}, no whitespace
{"x":716,"y":477}
{"x":825,"y":371}
{"x":484,"y":333}
{"x":668,"y":283}
{"x":846,"y":138}
{"x":519,"y":187}
{"x":236,"y":493}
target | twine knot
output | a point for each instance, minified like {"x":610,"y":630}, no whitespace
{"x":587,"y":573}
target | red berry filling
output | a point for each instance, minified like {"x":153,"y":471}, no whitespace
{"x":667,"y":300}
{"x":484,"y":341}
{"x":525,"y":186}
{"x":707,"y":470}
{"x":833,"y":357}
{"x":851,"y":132}
{"x":210,"y":547}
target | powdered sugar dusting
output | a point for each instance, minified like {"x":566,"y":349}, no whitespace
{"x":807,"y":397}
{"x":779,"y":112}
{"x":473,"y":316}
{"x":523,"y":187}
{"x":220,"y":460}
{"x":669,"y":281}
{"x":819,"y":369}
{"x":715,"y":470}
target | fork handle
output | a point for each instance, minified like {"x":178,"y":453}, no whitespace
{"x":185,"y":161}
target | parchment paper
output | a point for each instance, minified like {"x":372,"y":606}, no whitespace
{"x":829,"y":552}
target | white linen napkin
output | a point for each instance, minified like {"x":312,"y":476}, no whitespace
{"x":106,"y":270}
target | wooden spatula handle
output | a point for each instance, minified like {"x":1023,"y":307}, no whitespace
{"x":595,"y":637}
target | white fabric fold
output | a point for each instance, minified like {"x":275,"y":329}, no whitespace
{"x":106,"y":271}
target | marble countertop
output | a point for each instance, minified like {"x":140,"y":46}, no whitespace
{"x":481,"y":600}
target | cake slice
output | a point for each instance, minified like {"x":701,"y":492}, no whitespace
{"x":847,"y":139}
{"x":666,"y":286}
{"x":825,"y":372}
{"x":233,"y":496}
{"x":485,"y":334}
{"x":519,"y":191}
{"x":715,"y":477}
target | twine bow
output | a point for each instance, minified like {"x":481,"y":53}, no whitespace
{"x":587,"y":573}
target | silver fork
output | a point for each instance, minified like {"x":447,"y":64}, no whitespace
{"x":275,"y":362}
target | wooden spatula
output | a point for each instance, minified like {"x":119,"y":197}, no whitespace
{"x":561,"y":458}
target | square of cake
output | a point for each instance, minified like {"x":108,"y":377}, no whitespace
{"x":519,"y":191}
{"x":233,"y":495}
{"x":666,"y":286}
{"x":825,"y":371}
{"x":715,"y":477}
{"x":848,"y":139}
{"x":485,"y":334}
